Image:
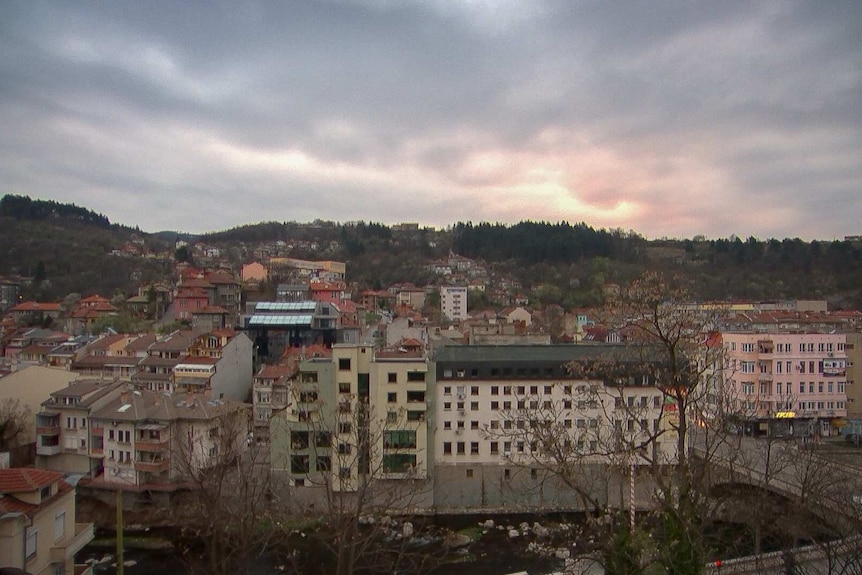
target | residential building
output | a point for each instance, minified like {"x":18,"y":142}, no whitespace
{"x":63,"y":440}
{"x":188,"y":300}
{"x":154,"y":441}
{"x":330,"y":271}
{"x":31,"y":312}
{"x":270,"y":394}
{"x":487,"y":398}
{"x":9,"y":294}
{"x":218,"y":366}
{"x":355,"y":417}
{"x":38,"y":530}
{"x":453,"y":302}
{"x":29,"y":387}
{"x":412,"y":297}
{"x":787,"y":382}
{"x":155,"y":371}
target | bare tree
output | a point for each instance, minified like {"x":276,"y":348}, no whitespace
{"x":16,"y":423}
{"x":15,"y":419}
{"x":227,"y":518}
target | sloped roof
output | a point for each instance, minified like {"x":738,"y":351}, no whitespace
{"x":32,"y":306}
{"x":19,"y":479}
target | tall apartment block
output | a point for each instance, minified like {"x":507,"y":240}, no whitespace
{"x":453,"y":302}
{"x":787,"y":383}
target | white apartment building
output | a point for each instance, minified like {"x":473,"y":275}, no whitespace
{"x":453,"y":302}
{"x":487,"y":398}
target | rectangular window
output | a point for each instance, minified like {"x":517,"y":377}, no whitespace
{"x":494,"y":448}
{"x":344,"y":364}
{"x":447,"y":448}
{"x":495,"y":390}
{"x":392,"y":397}
{"x":59,"y":525}
{"x":398,"y":462}
{"x":30,"y":543}
{"x":460,"y":446}
{"x":392,"y":377}
{"x":474,"y":448}
{"x":401,"y":439}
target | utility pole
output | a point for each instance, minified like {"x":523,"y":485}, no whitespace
{"x":119,"y":531}
{"x":631,"y":494}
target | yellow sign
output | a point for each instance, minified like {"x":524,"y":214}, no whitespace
{"x":785,"y":415}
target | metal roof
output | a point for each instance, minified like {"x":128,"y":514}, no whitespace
{"x":285,"y":306}
{"x":279,"y":320}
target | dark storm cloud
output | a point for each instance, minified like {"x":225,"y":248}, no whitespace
{"x":670,"y":118}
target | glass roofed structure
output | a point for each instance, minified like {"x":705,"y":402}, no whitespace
{"x":277,"y":325}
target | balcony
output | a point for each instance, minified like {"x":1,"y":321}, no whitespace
{"x":53,"y":430}
{"x":152,"y":445}
{"x":66,"y":548}
{"x":152,"y":466}
{"x":48,"y":449}
{"x":97,"y":431}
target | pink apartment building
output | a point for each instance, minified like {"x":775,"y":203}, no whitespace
{"x":787,"y":383}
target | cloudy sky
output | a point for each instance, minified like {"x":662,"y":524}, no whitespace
{"x":667,"y":118}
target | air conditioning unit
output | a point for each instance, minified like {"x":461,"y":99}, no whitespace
{"x":507,"y":454}
{"x":461,"y":396}
{"x":459,"y":431}
{"x":461,"y":412}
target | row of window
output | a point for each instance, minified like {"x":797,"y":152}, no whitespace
{"x":748,"y":387}
{"x":807,"y":347}
{"x":534,"y":404}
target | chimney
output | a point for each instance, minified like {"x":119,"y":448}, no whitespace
{"x":124,"y":396}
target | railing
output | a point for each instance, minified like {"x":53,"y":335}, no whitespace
{"x":53,"y":430}
{"x":48,"y":449}
{"x":151,"y":445}
{"x":152,"y":466}
{"x":68,"y":546}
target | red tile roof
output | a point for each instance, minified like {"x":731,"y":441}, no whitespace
{"x":28,"y":306}
{"x":18,"y":480}
{"x":96,"y":298}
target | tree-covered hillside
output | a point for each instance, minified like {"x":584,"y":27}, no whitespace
{"x":568,"y":264}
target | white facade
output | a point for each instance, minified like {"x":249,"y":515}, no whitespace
{"x":453,"y":302}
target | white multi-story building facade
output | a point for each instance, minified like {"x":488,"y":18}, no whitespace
{"x":453,"y":302}
{"x":487,"y":400}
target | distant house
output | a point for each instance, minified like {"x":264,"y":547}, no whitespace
{"x":255,"y":271}
{"x":411,"y":296}
{"x":517,"y":315}
{"x":88,"y":312}
{"x":188,"y":300}
{"x":35,"y":312}
{"x":38,"y":532}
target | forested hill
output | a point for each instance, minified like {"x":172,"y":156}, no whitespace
{"x":563,"y":263}
{"x":24,"y":208}
{"x":66,"y":249}
{"x":544,"y":242}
